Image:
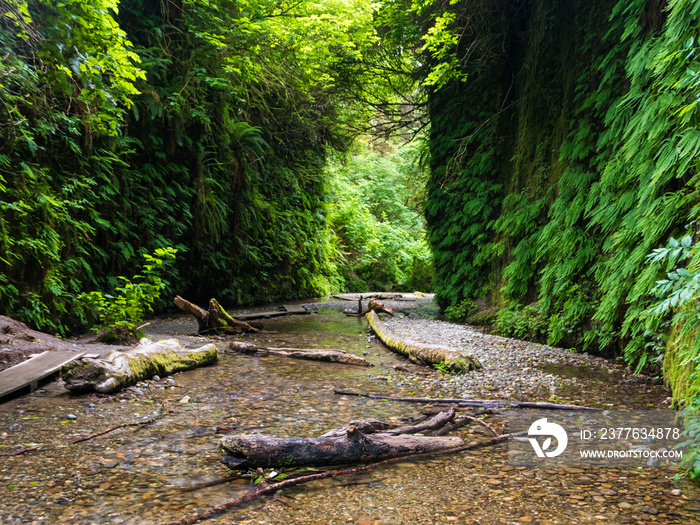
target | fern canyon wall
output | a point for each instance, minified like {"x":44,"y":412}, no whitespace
{"x":128,"y":126}
{"x":564,"y":149}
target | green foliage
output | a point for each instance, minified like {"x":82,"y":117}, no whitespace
{"x":199,"y":125}
{"x":66,"y":77}
{"x":456,"y":367}
{"x":522,"y":323}
{"x":677,"y":295}
{"x":375,"y":213}
{"x":569,"y":153}
{"x":691,"y":422}
{"x":460,"y":313}
{"x":115,"y":315}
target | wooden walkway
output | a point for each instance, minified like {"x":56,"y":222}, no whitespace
{"x":287,"y":309}
{"x":36,"y":368}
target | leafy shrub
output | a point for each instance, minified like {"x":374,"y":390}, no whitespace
{"x":522,"y":322}
{"x":377,"y":217}
{"x":460,"y":312}
{"x":691,"y":422}
{"x":117,"y":316}
{"x":676,"y":294}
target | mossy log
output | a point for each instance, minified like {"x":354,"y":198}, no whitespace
{"x":214,"y":320}
{"x":119,"y":370}
{"x":422,"y":353}
{"x":242,"y":452}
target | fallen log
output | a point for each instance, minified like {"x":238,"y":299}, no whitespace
{"x":372,"y":306}
{"x":371,"y":426}
{"x":367,"y":426}
{"x":257,"y":450}
{"x":477,"y":403}
{"x":215,"y":320}
{"x":122,"y":369}
{"x":264,"y":489}
{"x":329,"y":355}
{"x":422,"y":353}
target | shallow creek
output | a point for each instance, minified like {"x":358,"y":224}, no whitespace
{"x":145,"y":475}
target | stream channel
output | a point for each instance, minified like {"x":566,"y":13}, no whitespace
{"x":150,"y":474}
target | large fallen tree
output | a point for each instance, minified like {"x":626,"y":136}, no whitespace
{"x":122,"y":369}
{"x":454,"y":360}
{"x":359,"y":442}
{"x":215,"y":320}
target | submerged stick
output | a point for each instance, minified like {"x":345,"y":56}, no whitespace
{"x":91,"y":436}
{"x":271,"y":489}
{"x":478,"y":403}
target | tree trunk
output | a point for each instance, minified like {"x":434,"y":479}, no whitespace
{"x":122,"y":369}
{"x":215,"y":320}
{"x":242,"y":452}
{"x":421,"y":353}
{"x":350,"y":444}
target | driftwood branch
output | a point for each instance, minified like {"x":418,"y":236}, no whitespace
{"x":477,"y":403}
{"x":271,"y":489}
{"x":92,"y":436}
{"x":438,"y":421}
{"x":368,"y":426}
{"x":372,"y":306}
{"x":330,"y":355}
{"x":464,"y":420}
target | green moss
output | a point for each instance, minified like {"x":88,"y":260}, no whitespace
{"x":165,"y":363}
{"x":678,"y":364}
{"x":432,"y":355}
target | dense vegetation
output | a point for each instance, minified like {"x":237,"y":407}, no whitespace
{"x":130,"y":126}
{"x":562,"y":146}
{"x":564,"y":149}
{"x":377,"y":217}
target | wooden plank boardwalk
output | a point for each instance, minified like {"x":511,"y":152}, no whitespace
{"x":287,"y":309}
{"x":34,"y":370}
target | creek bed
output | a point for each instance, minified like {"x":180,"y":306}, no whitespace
{"x":145,"y":475}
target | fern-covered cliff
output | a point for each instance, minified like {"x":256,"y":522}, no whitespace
{"x":565,"y":147}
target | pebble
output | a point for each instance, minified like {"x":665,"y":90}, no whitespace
{"x":72,"y":417}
